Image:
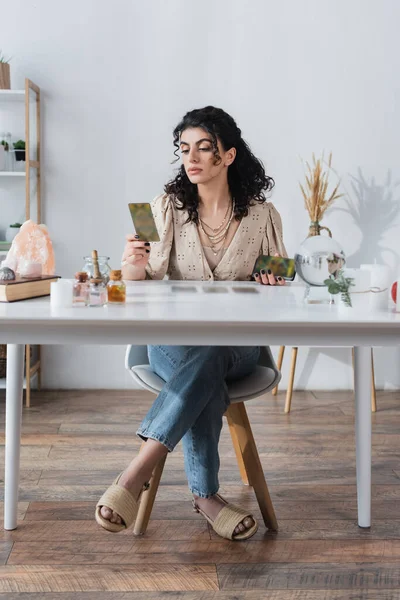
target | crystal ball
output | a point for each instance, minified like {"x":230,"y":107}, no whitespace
{"x":319,"y":257}
{"x":6,"y":274}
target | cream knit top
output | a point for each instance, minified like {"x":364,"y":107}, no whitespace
{"x":180,"y":255}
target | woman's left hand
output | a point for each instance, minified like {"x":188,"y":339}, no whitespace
{"x":268,"y":278}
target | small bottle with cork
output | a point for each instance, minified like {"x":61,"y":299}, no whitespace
{"x":80,"y":295}
{"x":116,"y":288}
{"x":97,"y":289}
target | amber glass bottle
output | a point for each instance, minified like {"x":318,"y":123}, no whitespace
{"x":116,"y":288}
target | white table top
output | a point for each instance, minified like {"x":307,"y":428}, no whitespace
{"x":185,"y":311}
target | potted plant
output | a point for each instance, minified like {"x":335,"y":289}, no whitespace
{"x":12,"y":231}
{"x":4,"y":72}
{"x":337,"y":283}
{"x":19,"y":148}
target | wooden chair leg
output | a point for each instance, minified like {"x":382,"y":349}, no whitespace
{"x":147,"y":499}
{"x":289,"y":391}
{"x":39,"y":371}
{"x":27,"y":375}
{"x":279,"y":365}
{"x":238,"y":415}
{"x":373,"y":388}
{"x":236,"y":445}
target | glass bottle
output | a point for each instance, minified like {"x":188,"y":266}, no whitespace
{"x":97,"y":292}
{"x":80,"y":296}
{"x":116,"y":288}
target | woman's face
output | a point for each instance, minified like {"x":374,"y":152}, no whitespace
{"x":198,"y":156}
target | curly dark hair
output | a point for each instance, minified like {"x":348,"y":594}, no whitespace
{"x":247,"y":179}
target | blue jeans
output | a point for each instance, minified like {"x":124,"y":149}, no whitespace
{"x":192,"y":402}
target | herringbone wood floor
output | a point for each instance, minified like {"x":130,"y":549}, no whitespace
{"x":74,"y":443}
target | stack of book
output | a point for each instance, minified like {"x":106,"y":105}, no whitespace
{"x":23,"y":288}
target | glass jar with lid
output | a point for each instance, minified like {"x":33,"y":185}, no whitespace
{"x":104,"y":267}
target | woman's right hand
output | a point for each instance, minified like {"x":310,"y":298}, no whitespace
{"x":136,"y":253}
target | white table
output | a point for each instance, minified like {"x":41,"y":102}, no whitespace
{"x":169,"y":313}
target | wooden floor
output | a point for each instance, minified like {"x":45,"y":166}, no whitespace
{"x":74,"y":443}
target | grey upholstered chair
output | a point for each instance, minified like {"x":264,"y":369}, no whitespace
{"x":265,"y":377}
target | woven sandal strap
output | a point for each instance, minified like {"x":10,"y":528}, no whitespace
{"x":228,"y":519}
{"x":121,"y":501}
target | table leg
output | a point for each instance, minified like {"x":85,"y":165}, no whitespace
{"x":362,"y":368}
{"x":15,"y":384}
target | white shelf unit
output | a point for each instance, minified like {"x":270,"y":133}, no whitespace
{"x":12,"y":174}
{"x":3,"y":381}
{"x":12,"y":95}
{"x":29,"y":98}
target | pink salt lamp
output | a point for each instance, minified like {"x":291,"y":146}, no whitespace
{"x":32,"y":245}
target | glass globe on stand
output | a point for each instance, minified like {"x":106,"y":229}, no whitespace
{"x":317,"y":259}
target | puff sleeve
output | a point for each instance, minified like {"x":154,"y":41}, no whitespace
{"x":273,"y":240}
{"x":157,"y":266}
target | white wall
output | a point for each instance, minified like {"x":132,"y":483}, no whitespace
{"x":298,"y":77}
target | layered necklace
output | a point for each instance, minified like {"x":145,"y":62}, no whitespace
{"x":218,"y":235}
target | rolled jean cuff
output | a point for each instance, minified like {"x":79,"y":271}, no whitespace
{"x":145,"y":435}
{"x":202,"y":494}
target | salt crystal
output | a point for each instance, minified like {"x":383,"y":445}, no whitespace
{"x":32,"y":244}
{"x":29,"y":269}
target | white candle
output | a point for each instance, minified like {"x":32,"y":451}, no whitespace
{"x":361,"y":280}
{"x":381,"y":275}
{"x":379,"y":300}
{"x":61,"y":293}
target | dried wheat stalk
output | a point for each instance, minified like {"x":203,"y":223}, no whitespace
{"x":316,"y":187}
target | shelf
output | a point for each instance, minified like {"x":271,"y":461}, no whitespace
{"x":12,"y":95}
{"x":12,"y":173}
{"x":3,"y":382}
{"x":33,"y":370}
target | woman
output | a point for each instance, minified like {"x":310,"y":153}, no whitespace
{"x":213,"y":222}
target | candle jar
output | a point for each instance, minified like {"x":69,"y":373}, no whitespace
{"x":61,"y":293}
{"x":381,"y":277}
{"x":97,"y":292}
{"x":116,"y":288}
{"x":104,"y":267}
